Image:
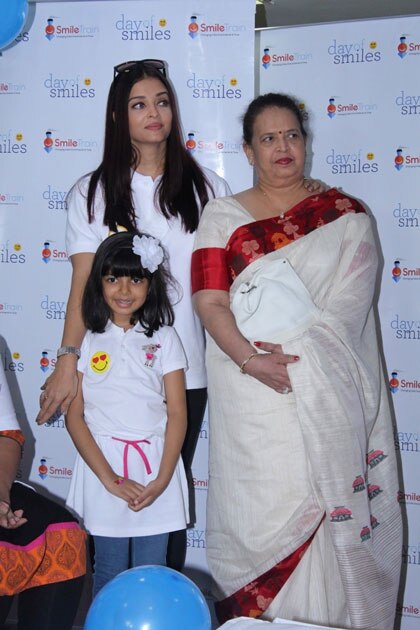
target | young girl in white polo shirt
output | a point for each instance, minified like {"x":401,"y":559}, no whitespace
{"x":128,"y":419}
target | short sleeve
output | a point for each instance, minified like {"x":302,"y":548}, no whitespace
{"x":82,"y":236}
{"x":208,"y":266}
{"x":84,"y":351}
{"x":173,"y":355}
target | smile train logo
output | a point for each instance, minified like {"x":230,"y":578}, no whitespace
{"x":394,"y":382}
{"x":48,"y":142}
{"x":266,"y":59}
{"x":46,"y":252}
{"x":191,"y":143}
{"x":42,"y":468}
{"x":402,"y":47}
{"x":193,"y":27}
{"x":50,"y":29}
{"x":331,"y":109}
{"x":396,"y":271}
{"x":399,"y":160}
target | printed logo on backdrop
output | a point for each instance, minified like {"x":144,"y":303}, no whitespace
{"x":404,"y":272}
{"x":55,"y":199}
{"x":46,"y":361}
{"x":200,"y":484}
{"x":56,"y":28}
{"x":52,"y":471}
{"x":347,"y":107}
{"x":359,"y":161}
{"x":399,"y":383}
{"x":406,"y":441}
{"x":405,"y":216}
{"x":53,"y":309}
{"x":411,"y":554}
{"x":409,"y":498}
{"x":11,"y":253}
{"x":200,"y":146}
{"x":68,"y":87}
{"x":10,"y":308}
{"x":348,"y":52}
{"x":403,"y":159}
{"x":12,"y":361}
{"x":407,"y":46}
{"x":142,"y":28}
{"x":405,"y":329}
{"x":408,"y":609}
{"x":52,"y":255}
{"x":213,"y":86}
{"x":196,"y":538}
{"x":12,"y":142}
{"x":209,"y":28}
{"x":53,"y":141}
{"x":204,"y":431}
{"x":11,"y":199}
{"x":273,"y":58}
{"x":408,"y":104}
{"x":10,"y":87}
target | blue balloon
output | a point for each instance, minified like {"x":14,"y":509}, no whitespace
{"x":149,"y":598}
{"x":13,"y":14}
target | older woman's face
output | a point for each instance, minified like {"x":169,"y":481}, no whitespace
{"x":278,"y":147}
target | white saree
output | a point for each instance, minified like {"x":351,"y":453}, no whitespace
{"x":321,"y":459}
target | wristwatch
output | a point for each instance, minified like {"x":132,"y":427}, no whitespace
{"x":68,"y":350}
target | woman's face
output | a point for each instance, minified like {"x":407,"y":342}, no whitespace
{"x":149,"y":113}
{"x":277,"y":148}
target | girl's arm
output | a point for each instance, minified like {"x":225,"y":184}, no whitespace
{"x":91,"y":453}
{"x":60,"y":388}
{"x":10,"y":453}
{"x":174,"y":383}
{"x":214,"y":311}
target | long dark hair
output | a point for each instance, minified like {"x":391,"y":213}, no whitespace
{"x":265,"y":101}
{"x":115,"y":256}
{"x":182,"y":180}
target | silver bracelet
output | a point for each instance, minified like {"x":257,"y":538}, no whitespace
{"x":68,"y":350}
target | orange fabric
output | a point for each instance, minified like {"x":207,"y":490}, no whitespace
{"x":55,"y":556}
{"x":16,"y":435}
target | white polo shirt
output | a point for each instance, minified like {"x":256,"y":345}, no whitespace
{"x":125,"y":411}
{"x":8,"y":420}
{"x":82,"y":236}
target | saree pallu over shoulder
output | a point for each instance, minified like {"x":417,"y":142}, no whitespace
{"x":279,"y":463}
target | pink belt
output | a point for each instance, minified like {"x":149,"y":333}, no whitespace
{"x":134,"y":444}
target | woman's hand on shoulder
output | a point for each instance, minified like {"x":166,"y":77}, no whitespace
{"x":59,"y":389}
{"x":270,"y":367}
{"x":314,"y":185}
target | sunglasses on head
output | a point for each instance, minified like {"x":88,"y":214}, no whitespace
{"x":128,"y":66}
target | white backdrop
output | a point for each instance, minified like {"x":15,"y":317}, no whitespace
{"x":53,"y":87}
{"x":359,"y":85}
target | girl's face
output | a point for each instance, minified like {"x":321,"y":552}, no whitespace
{"x":149,"y":113}
{"x":124,"y":296}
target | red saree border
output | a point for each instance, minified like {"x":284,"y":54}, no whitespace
{"x":253,"y":599}
{"x":208,"y":269}
{"x":14,"y":434}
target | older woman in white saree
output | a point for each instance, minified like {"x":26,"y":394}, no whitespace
{"x":303,"y":517}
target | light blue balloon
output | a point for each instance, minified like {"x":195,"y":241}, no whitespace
{"x":149,"y":598}
{"x":13,"y":14}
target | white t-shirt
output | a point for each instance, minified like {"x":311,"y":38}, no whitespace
{"x":125,"y":411}
{"x":82,"y":236}
{"x":8,"y":420}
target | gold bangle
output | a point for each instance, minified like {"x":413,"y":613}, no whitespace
{"x":243,"y":364}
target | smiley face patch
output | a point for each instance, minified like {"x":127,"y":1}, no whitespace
{"x":100,"y":362}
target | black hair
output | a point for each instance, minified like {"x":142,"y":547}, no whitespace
{"x":183,"y":189}
{"x":265,"y":101}
{"x":115,"y":257}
